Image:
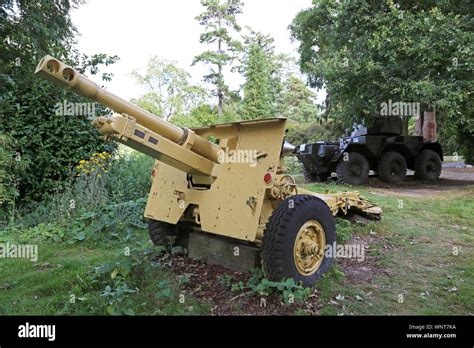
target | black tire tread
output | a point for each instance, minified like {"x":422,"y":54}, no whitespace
{"x":342,"y":174}
{"x":160,"y":231}
{"x":384,"y":163}
{"x":419,"y":162}
{"x":274,"y":248}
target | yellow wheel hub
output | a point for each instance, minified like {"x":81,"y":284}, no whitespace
{"x":308,"y":252}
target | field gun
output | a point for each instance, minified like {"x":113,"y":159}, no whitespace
{"x":226,"y":182}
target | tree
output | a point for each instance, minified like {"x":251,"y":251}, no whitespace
{"x":297,"y":102}
{"x":219,"y":19}
{"x":259,"y":99}
{"x":366,"y":53}
{"x":271,"y":87}
{"x":49,"y":143}
{"x":169,"y":90}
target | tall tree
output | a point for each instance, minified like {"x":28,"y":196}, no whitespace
{"x":50,"y":143}
{"x":257,"y":69}
{"x":219,"y":20}
{"x":169,"y":90}
{"x":297,"y":102}
{"x":369,"y":52}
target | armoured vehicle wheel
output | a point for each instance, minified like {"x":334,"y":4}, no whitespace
{"x":392,"y":167}
{"x":354,"y":171}
{"x":160,"y":232}
{"x":295,"y":239}
{"x":428,"y":165}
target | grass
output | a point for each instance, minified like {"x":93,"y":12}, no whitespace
{"x":60,"y":283}
{"x":422,"y":266}
{"x":431,"y":265}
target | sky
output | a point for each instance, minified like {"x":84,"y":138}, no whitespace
{"x":135,"y":30}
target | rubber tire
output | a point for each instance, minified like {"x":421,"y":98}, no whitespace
{"x":280,"y":234}
{"x":160,"y":231}
{"x":343,"y":173}
{"x":385,"y":167}
{"x":421,"y":162}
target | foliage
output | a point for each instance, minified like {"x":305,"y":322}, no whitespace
{"x":303,"y":133}
{"x":271,"y":86}
{"x":206,"y":115}
{"x":293,"y":166}
{"x":257,"y":69}
{"x":297,"y":101}
{"x":366,"y":53}
{"x":120,"y":278}
{"x":9,"y":164}
{"x":95,"y":166}
{"x":42,"y":232}
{"x":49,"y":143}
{"x":129,"y":176}
{"x":345,"y":229}
{"x":219,"y":20}
{"x":257,"y":285}
{"x":169,"y":90}
{"x":109,"y":201}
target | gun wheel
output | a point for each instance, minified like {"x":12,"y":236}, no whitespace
{"x":295,"y":240}
{"x":308,"y":251}
{"x":161,"y":233}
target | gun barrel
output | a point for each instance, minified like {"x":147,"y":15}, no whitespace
{"x":63,"y":75}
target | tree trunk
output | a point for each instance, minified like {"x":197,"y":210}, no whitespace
{"x":220,"y":95}
{"x":429,"y":127}
{"x":220,"y":105}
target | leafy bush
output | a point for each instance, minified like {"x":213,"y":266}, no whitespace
{"x":257,"y":285}
{"x":48,"y":142}
{"x":9,"y":163}
{"x":39,"y":233}
{"x":112,"y":285}
{"x":129,"y":176}
{"x":302,"y":133}
{"x":294,"y":167}
{"x":108,"y":195}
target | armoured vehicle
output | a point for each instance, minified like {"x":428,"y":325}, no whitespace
{"x":381,"y":148}
{"x":225,"y":181}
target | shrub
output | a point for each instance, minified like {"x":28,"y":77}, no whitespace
{"x":302,"y":133}
{"x":10,"y":162}
{"x":257,"y":285}
{"x":129,"y":176}
{"x":102,"y":195}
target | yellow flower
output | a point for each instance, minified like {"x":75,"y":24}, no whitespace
{"x":82,"y":161}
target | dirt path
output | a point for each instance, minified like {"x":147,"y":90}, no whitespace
{"x":451,"y":179}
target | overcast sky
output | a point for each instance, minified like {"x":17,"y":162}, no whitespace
{"x":135,"y":30}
